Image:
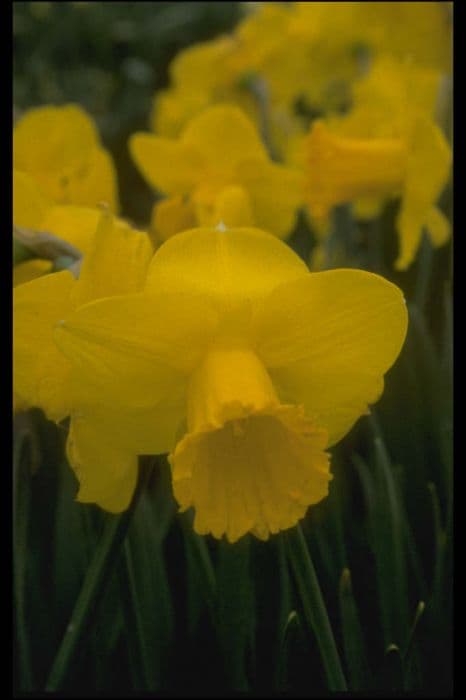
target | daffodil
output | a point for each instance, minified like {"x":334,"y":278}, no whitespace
{"x":201,"y":76}
{"x":35,"y":211}
{"x":219,"y":169}
{"x":387,"y":147}
{"x":43,"y":377}
{"x":244,"y":366}
{"x":60,"y":148}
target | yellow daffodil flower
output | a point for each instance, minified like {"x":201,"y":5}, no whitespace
{"x":32,"y":210}
{"x":244,"y":366}
{"x":221,"y":166}
{"x":59,"y":148}
{"x":201,"y":76}
{"x":43,"y":377}
{"x":387,"y":146}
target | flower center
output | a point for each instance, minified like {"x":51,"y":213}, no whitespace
{"x":247,"y":463}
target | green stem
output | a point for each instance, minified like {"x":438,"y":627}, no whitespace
{"x":99,"y":572}
{"x":197,"y":548}
{"x":314,"y":606}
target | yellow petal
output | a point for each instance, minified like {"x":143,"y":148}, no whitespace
{"x":145,"y":431}
{"x":224,"y":136}
{"x":107,"y":474}
{"x":40,"y":371}
{"x":327,"y":341}
{"x":29,"y":203}
{"x":170,"y":216}
{"x":95,"y":183}
{"x":201,"y":67}
{"x":438,"y":227}
{"x":50,"y":138}
{"x":30,"y":270}
{"x":116,"y":263}
{"x":276,"y":194}
{"x":137,"y":350}
{"x":427,"y":173}
{"x":170,"y":166}
{"x":230,"y":268}
{"x":173,"y":108}
{"x":233,"y":207}
{"x":76,"y":225}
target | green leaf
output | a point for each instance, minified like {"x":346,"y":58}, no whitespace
{"x":393,"y":669}
{"x":94,"y":584}
{"x":235,"y":610}
{"x":389,"y":546}
{"x":198,"y":554}
{"x":314,"y":606}
{"x":288,"y":631}
{"x":147,"y":603}
{"x":353,"y":641}
{"x":21,"y":508}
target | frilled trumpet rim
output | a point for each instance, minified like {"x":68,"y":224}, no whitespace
{"x":247,"y":463}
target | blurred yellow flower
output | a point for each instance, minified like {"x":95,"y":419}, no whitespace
{"x":32,"y":210}
{"x":244,"y":366}
{"x":387,"y":146}
{"x":43,"y":377}
{"x":59,"y":148}
{"x":220,"y":165}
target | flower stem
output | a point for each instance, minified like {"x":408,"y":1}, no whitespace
{"x":314,"y":606}
{"x":98,"y":574}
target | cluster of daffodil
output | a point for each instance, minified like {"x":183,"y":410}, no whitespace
{"x":221,"y":348}
{"x":376,"y":74}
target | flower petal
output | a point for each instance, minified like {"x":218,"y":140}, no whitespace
{"x":95,"y":182}
{"x":224,"y":136}
{"x":228,"y":267}
{"x":40,"y":372}
{"x":170,"y":216}
{"x":107,"y":474}
{"x":276,"y":194}
{"x":233,"y":207}
{"x":136,"y":350}
{"x":143,"y":431}
{"x":170,"y":166}
{"x":117,"y":262}
{"x":438,"y":227}
{"x":427,"y":173}
{"x":29,"y":203}
{"x":50,"y":138}
{"x":327,"y":341}
{"x":76,"y":225}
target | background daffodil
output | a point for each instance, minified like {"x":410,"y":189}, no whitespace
{"x":254,"y":365}
{"x":59,"y":147}
{"x":387,"y":146}
{"x":222,"y":170}
{"x":43,"y":377}
{"x":37,"y":213}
